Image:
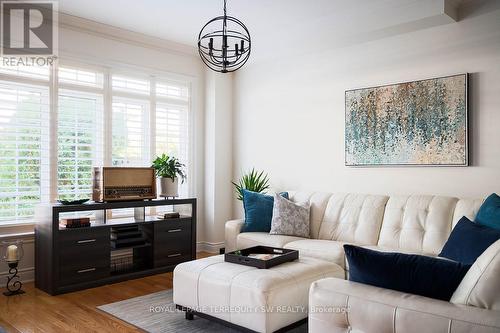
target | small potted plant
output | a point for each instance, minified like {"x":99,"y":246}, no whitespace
{"x":254,"y":181}
{"x":169,"y":170}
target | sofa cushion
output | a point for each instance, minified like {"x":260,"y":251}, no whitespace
{"x":415,"y":274}
{"x":417,"y":223}
{"x":317,"y":203}
{"x":489,"y":213}
{"x":354,"y":218}
{"x":290,"y":218}
{"x":258,"y":211}
{"x":386,"y":249}
{"x":468,"y":241}
{"x":249,"y":239}
{"x":467,"y":208}
{"x":481,"y":285}
{"x":328,"y":250}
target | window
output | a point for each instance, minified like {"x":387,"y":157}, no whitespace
{"x":131,"y":85}
{"x":145,"y":116}
{"x":80,"y":77}
{"x":31,"y":72}
{"x":80,"y":139}
{"x":172,"y":90}
{"x":172,"y":119}
{"x":79,"y":130}
{"x":130,"y":133}
{"x":24,"y":154}
{"x":172,"y":134}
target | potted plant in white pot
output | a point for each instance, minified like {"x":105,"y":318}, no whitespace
{"x":169,"y":170}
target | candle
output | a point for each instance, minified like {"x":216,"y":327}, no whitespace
{"x":12,"y":253}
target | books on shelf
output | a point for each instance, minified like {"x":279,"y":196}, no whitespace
{"x":75,"y":222}
{"x":169,"y":215}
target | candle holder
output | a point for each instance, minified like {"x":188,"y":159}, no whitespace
{"x":12,"y":254}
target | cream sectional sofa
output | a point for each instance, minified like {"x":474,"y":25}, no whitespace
{"x":417,"y":224}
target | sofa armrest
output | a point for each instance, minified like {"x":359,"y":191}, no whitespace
{"x":343,"y":306}
{"x":233,"y":229}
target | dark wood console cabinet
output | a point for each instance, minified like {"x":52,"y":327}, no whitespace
{"x":73,"y":259}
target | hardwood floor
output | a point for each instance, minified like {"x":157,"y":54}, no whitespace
{"x":37,"y":311}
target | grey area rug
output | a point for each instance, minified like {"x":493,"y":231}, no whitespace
{"x":156,"y":313}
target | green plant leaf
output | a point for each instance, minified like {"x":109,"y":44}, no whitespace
{"x":254,"y":181}
{"x":169,"y":167}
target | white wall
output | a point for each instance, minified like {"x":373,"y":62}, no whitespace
{"x":289,"y":114}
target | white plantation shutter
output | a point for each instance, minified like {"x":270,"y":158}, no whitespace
{"x":173,"y":90}
{"x":130,"y":139}
{"x":130,"y":85}
{"x":80,"y":142}
{"x":24,"y":149}
{"x":172,"y":134}
{"x":30,"y":72}
{"x":172,"y":124}
{"x":81,"y":77}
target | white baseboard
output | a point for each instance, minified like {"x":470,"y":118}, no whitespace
{"x":26,"y":274}
{"x":209,"y":247}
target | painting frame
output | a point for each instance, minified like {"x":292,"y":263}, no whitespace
{"x":466,"y":152}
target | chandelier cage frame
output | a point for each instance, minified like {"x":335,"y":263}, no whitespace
{"x":224,"y":59}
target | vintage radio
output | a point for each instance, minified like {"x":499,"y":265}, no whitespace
{"x":121,"y":184}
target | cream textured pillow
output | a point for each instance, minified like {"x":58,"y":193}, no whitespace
{"x":289,"y":218}
{"x":481,"y":285}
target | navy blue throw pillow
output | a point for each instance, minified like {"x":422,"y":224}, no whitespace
{"x":410,"y":273}
{"x":489,"y":213}
{"x":258,"y":211}
{"x":468,"y":240}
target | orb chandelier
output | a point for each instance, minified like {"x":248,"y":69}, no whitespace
{"x":224,"y":43}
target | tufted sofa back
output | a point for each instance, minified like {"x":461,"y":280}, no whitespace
{"x":413,"y":223}
{"x":350,"y":218}
{"x":417,"y":223}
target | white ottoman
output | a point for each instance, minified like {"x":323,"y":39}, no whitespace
{"x":262,"y":300}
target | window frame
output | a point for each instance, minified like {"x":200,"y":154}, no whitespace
{"x":107,"y":92}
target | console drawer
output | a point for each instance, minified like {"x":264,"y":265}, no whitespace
{"x":172,"y":237}
{"x":83,"y":238}
{"x":172,"y":258}
{"x":83,"y":246}
{"x":83,"y":271}
{"x":172,"y":241}
{"x":182,"y":224}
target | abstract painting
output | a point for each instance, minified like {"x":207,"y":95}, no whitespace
{"x":412,"y":123}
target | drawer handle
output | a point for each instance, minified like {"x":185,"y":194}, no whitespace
{"x":83,"y":241}
{"x":173,"y":255}
{"x":174,"y":230}
{"x":85,"y":270}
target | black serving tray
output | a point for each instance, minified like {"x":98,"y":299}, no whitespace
{"x":241,"y":256}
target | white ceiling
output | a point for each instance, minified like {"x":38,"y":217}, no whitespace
{"x":288,"y":26}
